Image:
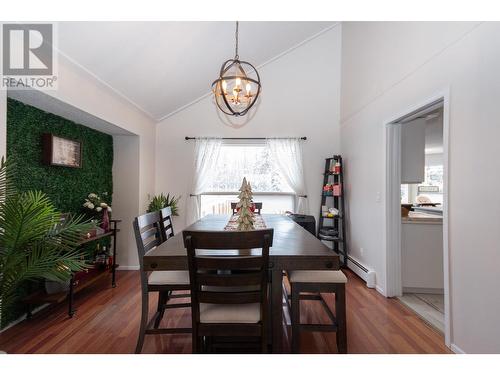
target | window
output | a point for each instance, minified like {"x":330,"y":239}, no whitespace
{"x":405,"y":193}
{"x":432,"y":187}
{"x":254,"y":162}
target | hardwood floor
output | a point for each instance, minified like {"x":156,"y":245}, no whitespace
{"x":107,"y":321}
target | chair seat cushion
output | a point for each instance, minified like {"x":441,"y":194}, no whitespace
{"x":169,"y":278}
{"x":307,"y":276}
{"x":237,"y":313}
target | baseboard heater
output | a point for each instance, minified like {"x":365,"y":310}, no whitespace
{"x":359,"y":265}
{"x":363,"y":272}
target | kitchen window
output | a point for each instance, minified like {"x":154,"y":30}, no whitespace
{"x":432,"y":187}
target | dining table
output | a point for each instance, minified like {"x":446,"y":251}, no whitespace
{"x":293,"y":248}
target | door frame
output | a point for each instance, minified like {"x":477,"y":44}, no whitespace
{"x":393,"y":278}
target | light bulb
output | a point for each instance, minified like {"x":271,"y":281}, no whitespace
{"x":224,"y":86}
{"x":248,"y":87}
{"x":238,"y":82}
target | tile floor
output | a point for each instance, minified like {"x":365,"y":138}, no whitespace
{"x":429,"y":307}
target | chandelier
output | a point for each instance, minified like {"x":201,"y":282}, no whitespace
{"x":238,"y":86}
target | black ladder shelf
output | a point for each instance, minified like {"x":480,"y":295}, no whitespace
{"x":333,"y":229}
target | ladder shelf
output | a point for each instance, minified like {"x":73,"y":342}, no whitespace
{"x":332,"y":229}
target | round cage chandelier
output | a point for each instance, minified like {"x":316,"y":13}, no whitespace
{"x":238,"y":86}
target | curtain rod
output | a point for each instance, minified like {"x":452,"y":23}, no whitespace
{"x":249,"y":138}
{"x":256,"y":193}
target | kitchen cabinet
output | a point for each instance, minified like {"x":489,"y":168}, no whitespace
{"x":422,"y":254}
{"x":413,"y":152}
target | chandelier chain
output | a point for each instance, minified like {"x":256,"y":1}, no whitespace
{"x":236,"y":37}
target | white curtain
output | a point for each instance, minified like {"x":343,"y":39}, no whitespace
{"x":287,"y":154}
{"x":206,"y":154}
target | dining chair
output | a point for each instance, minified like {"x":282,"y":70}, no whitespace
{"x":313,"y":283}
{"x":229,"y":287}
{"x":166,"y":224}
{"x":149,"y":234}
{"x":167,"y":231}
{"x":258,"y":207}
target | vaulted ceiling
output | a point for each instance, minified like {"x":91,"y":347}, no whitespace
{"x":163,"y":66}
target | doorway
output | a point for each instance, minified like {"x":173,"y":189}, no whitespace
{"x":417,"y":211}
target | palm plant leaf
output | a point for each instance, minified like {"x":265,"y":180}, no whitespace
{"x":27,"y":217}
{"x":34,"y":242}
{"x":6,"y":180}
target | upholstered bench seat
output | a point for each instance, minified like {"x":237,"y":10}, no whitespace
{"x":235,"y":313}
{"x":317,"y":277}
{"x":169,"y":278}
{"x":311,"y":285}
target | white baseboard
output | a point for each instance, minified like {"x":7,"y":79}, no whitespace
{"x":367,"y":274}
{"x":456,"y":349}
{"x":354,"y":268}
{"x":423,"y":290}
{"x":128,"y":268}
{"x":357,"y":271}
{"x":363,"y":275}
{"x":381,"y":290}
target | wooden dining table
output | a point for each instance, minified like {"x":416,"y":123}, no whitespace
{"x":294,"y":248}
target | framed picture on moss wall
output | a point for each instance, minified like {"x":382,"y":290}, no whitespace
{"x":61,"y":151}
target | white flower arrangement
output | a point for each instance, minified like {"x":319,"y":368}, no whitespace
{"x":94,"y":202}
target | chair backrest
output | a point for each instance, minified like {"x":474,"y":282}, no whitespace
{"x":211,"y":254}
{"x":147,"y":231}
{"x":166,"y":224}
{"x":258,"y":207}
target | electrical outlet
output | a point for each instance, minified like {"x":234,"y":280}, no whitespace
{"x":361,"y":250}
{"x":378,"y":197}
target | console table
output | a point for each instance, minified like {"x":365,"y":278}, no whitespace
{"x":79,"y":280}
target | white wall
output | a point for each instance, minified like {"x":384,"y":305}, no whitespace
{"x":434,"y":160}
{"x":126,"y":150}
{"x":300,"y":97}
{"x":389,"y":67}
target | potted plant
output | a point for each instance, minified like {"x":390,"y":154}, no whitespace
{"x":35,"y":244}
{"x":161,"y":201}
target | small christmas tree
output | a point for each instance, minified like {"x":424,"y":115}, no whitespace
{"x":245,"y":219}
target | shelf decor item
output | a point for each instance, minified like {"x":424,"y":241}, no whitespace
{"x":238,"y":86}
{"x":246,"y":216}
{"x":96,"y":206}
{"x":59,"y":151}
{"x":105,"y":221}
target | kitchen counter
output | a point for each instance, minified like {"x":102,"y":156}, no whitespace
{"x":422,"y":218}
{"x":438,"y":210}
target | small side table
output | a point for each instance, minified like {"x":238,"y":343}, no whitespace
{"x":79,"y":280}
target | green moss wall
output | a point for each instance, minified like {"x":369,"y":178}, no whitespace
{"x":67,"y":187}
